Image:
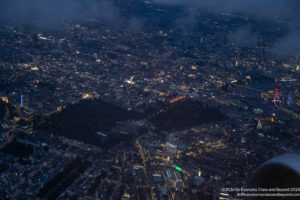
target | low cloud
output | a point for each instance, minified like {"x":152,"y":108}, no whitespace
{"x":243,"y":37}
{"x":51,"y":12}
{"x":135,"y":24}
{"x":288,"y":45}
{"x":189,"y":22}
{"x":260,"y":8}
{"x":289,"y":10}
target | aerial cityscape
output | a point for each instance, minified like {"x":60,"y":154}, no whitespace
{"x":145,"y":99}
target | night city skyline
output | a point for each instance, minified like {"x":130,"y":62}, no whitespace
{"x":149,"y":99}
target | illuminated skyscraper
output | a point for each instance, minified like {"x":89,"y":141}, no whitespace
{"x":171,"y":145}
{"x":259,"y":125}
{"x":171,"y":149}
{"x":21,"y":100}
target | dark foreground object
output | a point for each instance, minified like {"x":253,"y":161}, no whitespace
{"x":281,"y":173}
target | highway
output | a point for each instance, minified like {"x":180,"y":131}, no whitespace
{"x":119,"y":179}
{"x":144,"y":167}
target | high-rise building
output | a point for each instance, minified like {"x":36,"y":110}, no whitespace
{"x":21,"y":100}
{"x":259,"y":125}
{"x":171,"y":145}
{"x":199,"y":180}
{"x":172,"y":139}
{"x":171,"y":149}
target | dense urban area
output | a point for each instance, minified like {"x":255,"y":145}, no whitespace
{"x":150,"y":110}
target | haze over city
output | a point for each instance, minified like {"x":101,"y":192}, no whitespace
{"x":149,"y":99}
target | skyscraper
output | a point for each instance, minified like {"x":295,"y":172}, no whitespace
{"x":171,"y":145}
{"x":21,"y":100}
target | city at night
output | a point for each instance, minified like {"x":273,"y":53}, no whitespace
{"x":149,"y":99}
